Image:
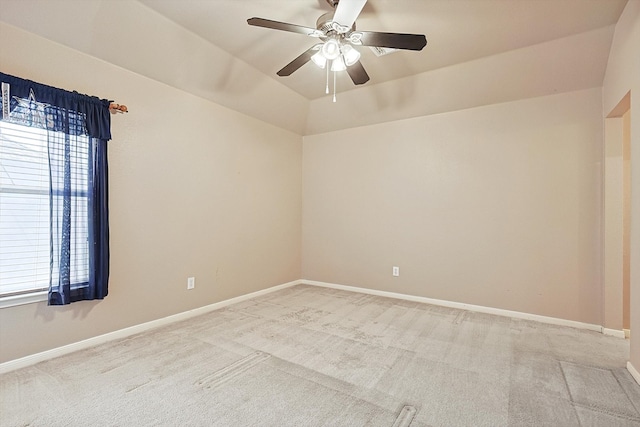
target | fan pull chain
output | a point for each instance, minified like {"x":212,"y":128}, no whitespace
{"x":327,"y":88}
{"x":334,"y":85}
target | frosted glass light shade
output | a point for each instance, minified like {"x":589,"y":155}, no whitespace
{"x":319,"y":60}
{"x":331,"y":49}
{"x":350,"y":54}
{"x":338,"y":64}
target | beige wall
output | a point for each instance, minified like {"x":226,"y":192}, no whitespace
{"x":195,"y":190}
{"x":626,"y":220}
{"x":614,"y":231}
{"x":622,"y":76}
{"x":497,"y":206}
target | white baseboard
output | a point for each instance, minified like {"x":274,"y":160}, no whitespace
{"x":22,"y":362}
{"x":634,"y":372}
{"x":613,"y":332}
{"x":463,"y":306}
{"x":627,"y":333}
{"x":123,"y":333}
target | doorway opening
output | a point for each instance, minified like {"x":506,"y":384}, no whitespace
{"x":617,"y":218}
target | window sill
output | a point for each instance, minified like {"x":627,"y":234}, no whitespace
{"x":14,"y":300}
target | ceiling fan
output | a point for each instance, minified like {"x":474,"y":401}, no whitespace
{"x":339,"y":39}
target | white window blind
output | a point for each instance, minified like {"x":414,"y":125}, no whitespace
{"x":24,"y":209}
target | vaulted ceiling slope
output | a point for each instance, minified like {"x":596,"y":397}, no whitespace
{"x":479,"y":52}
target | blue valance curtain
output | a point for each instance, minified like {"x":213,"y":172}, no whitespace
{"x":78,"y":128}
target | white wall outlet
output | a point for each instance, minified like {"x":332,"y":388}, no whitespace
{"x":396,"y":271}
{"x":191,"y":282}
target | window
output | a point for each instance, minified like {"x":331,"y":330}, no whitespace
{"x":54,"y":196}
{"x":25,"y":246}
{"x":24,"y":209}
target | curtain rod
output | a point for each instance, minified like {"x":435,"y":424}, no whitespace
{"x":117,"y":108}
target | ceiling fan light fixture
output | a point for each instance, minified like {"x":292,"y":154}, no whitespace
{"x":338,"y":64}
{"x":339,"y":42}
{"x":331,"y":49}
{"x":350,"y":54}
{"x":319,"y":60}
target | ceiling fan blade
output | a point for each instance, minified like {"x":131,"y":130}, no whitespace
{"x":305,"y":57}
{"x":347,"y":11}
{"x":283,"y":26}
{"x":358,"y":74}
{"x":391,"y":40}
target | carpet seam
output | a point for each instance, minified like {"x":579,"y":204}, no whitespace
{"x":602,"y":410}
{"x":566,"y":384}
{"x":597,"y":408}
{"x":353,"y":388}
{"x":624,"y":390}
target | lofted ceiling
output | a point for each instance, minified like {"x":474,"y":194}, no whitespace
{"x":479,"y":52}
{"x":457,"y":31}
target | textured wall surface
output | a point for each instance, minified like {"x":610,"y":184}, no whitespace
{"x":496,"y":206}
{"x":196,"y":189}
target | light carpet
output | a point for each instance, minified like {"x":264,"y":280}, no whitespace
{"x":312,"y":356}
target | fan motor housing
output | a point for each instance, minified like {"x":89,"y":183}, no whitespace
{"x":325,"y":23}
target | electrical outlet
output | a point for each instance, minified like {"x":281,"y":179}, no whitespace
{"x":396,"y":271}
{"x":191,"y":282}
